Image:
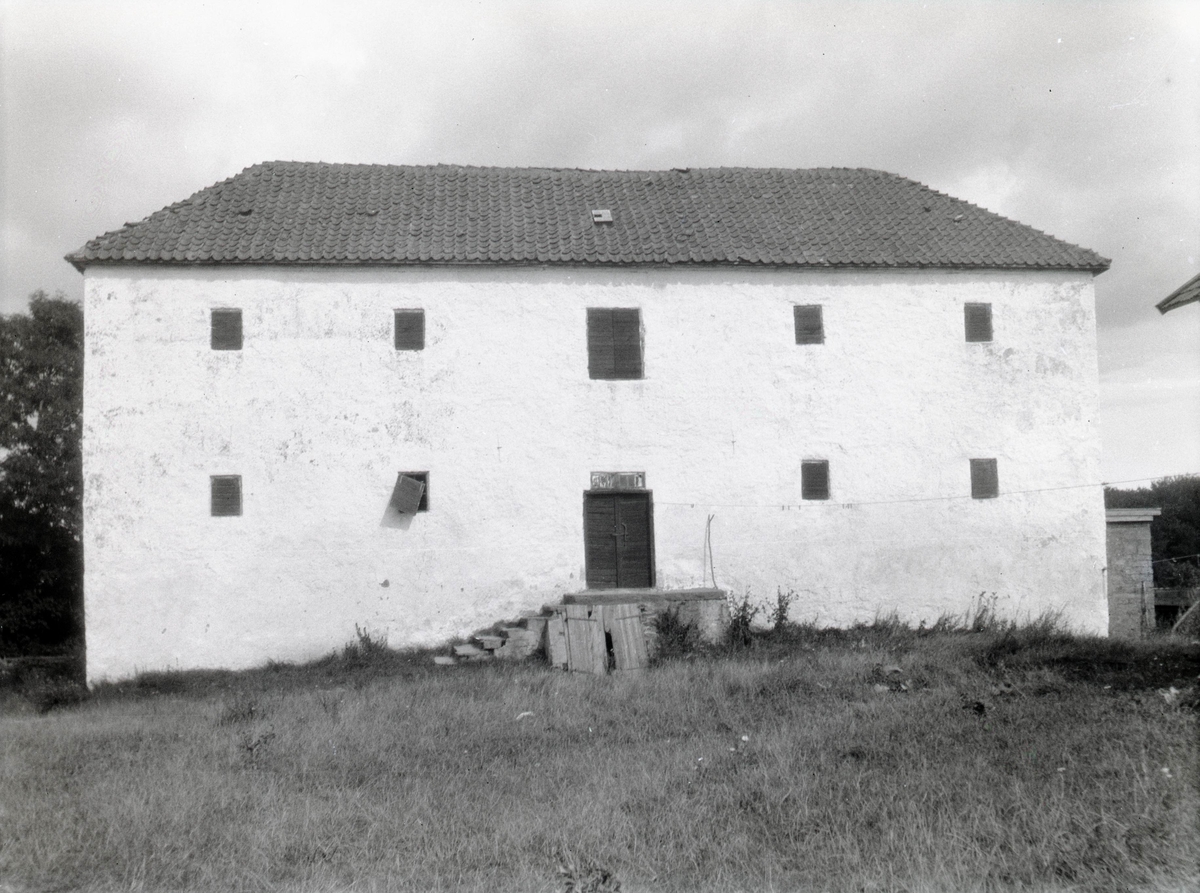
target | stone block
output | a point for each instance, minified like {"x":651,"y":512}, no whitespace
{"x":470,"y":652}
{"x":489,"y":643}
{"x":519,"y":643}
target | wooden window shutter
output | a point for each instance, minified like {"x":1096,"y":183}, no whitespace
{"x":411,"y":493}
{"x":600,"y":342}
{"x":410,"y":330}
{"x":227,"y":329}
{"x":985,"y":481}
{"x":627,"y":343}
{"x":614,"y":338}
{"x":810,"y":328}
{"x":814,"y":479}
{"x":978,"y":318}
{"x":225,"y":494}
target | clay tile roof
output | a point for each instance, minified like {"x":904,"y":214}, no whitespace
{"x":1185,"y":294}
{"x":284,"y":212}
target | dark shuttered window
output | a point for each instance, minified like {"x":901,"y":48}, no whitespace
{"x":410,"y":330}
{"x":810,"y":328}
{"x":814,"y":479}
{"x":985,"y":482}
{"x":225,"y":494}
{"x":978,"y":319}
{"x":614,"y":336}
{"x":411,"y":493}
{"x":227,"y":329}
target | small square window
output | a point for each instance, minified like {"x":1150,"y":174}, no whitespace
{"x":985,"y":482}
{"x":410,"y":330}
{"x":978,"y":318}
{"x":411,"y":493}
{"x":227,"y":329}
{"x":810,"y":328}
{"x":225,"y":494}
{"x":614,"y":337}
{"x":814,"y":479}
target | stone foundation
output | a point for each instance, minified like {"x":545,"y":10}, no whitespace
{"x":705,"y":609}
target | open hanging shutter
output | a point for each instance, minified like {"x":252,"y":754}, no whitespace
{"x":406,"y":496}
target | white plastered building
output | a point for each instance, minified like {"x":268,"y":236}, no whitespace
{"x":834,"y":382}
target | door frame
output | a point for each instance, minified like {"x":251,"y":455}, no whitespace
{"x":649,"y":494}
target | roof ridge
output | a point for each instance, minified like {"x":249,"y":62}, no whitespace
{"x":582,"y":170}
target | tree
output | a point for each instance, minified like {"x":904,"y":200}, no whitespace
{"x":1175,"y":534}
{"x":41,"y":477}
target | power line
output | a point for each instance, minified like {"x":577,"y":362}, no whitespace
{"x":1176,"y":558}
{"x":812,"y":503}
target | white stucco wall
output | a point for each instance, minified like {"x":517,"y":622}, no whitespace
{"x":318,"y":413}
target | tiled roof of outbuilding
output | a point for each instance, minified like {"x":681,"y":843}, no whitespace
{"x":297,"y":213}
{"x":1185,"y":294}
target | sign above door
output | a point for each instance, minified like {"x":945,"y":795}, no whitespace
{"x":618,"y":480}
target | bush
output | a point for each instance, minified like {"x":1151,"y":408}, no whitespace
{"x":676,"y":637}
{"x":742,"y":613}
{"x":782,"y":607}
{"x":365,"y":649}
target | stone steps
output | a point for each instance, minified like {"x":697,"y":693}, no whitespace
{"x":514,"y":641}
{"x":705,"y":609}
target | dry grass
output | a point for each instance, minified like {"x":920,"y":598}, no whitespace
{"x":992,"y":761}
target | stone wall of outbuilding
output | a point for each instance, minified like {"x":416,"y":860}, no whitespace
{"x":1130,"y":572}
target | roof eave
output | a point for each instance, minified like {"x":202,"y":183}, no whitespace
{"x":1187,"y":293}
{"x":81,"y":262}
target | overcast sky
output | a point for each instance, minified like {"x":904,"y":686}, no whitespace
{"x":1080,"y":119}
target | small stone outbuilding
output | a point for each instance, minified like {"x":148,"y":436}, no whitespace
{"x":1130,"y":572}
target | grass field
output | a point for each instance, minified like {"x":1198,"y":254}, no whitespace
{"x":874,"y":759}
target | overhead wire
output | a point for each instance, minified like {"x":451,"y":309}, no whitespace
{"x":1176,"y":558}
{"x":815,"y":503}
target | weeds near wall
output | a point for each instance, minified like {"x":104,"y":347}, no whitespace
{"x":676,"y":637}
{"x":366,"y":647}
{"x":981,"y":616}
{"x":780,"y":623}
{"x":742,"y":614}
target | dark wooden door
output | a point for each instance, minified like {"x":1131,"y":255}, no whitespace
{"x":619,"y":540}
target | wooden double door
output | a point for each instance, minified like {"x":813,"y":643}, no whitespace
{"x":619,"y":540}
